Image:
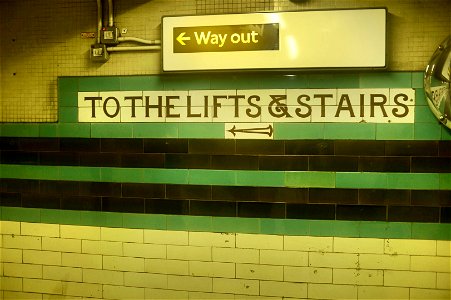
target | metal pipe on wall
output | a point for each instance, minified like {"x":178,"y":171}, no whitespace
{"x":99,"y":19}
{"x":110,"y":13}
{"x":138,"y":40}
{"x":135,"y":48}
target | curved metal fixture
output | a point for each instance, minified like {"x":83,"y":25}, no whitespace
{"x":133,"y":48}
{"x":138,"y":40}
{"x":437,"y":82}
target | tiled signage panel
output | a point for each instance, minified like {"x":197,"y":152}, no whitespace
{"x":382,"y":105}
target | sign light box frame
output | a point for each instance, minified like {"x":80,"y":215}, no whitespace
{"x":313,"y":39}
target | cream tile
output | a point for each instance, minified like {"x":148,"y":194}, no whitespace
{"x":11,"y":284}
{"x":60,"y":244}
{"x":384,"y":261}
{"x":189,"y":253}
{"x":235,"y":255}
{"x":212,"y":269}
{"x":431,"y":263}
{"x":188,"y":283}
{"x":283,"y":258}
{"x":144,"y":250}
{"x":122,"y":235}
{"x":430,"y":294}
{"x":283,"y":289}
{"x":103,"y":276}
{"x":411,"y":247}
{"x":20,"y":295}
{"x":333,"y":260}
{"x":82,"y":289}
{"x":410,"y":279}
{"x":166,"y":237}
{"x":159,"y":294}
{"x":40,"y":229}
{"x":308,"y":243}
{"x":80,"y":232}
{"x":444,"y":248}
{"x":50,"y":258}
{"x":216,"y":239}
{"x":11,"y":255}
{"x":121,"y":263}
{"x":444,"y":281}
{"x":146,"y":280}
{"x":42,"y":286}
{"x":22,"y":270}
{"x":262,"y":272}
{"x":332,"y":291}
{"x":10,"y":227}
{"x":308,"y":274}
{"x":166,"y":266}
{"x":62,"y":273}
{"x":102,"y":247}
{"x":91,"y":261}
{"x":358,"y":277}
{"x":259,"y":241}
{"x":236,"y":286}
{"x":382,"y":292}
{"x":122,"y":292}
{"x":358,"y":245}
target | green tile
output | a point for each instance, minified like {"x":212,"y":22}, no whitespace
{"x":386,"y":80}
{"x":416,"y":181}
{"x":399,"y":230}
{"x":347,"y":228}
{"x":445,"y":181}
{"x":309,"y":179}
{"x":29,"y":172}
{"x":290,"y":131}
{"x":359,"y":131}
{"x":446,"y":134}
{"x":68,"y":99}
{"x":334,"y":80}
{"x":297,"y":227}
{"x":282,"y":81}
{"x":212,"y":177}
{"x":20,"y":214}
{"x":155,"y":130}
{"x":48,"y":130}
{"x":417,"y":79}
{"x":322,"y":228}
{"x":260,"y":178}
{"x":273,"y":226}
{"x":141,"y":83}
{"x":373,"y":229}
{"x":394,"y":131}
{"x":177,"y":222}
{"x":67,"y":84}
{"x":200,"y":223}
{"x":372,"y":180}
{"x":91,"y":218}
{"x":183,"y":82}
{"x":429,"y":231}
{"x":121,"y":174}
{"x":19,"y":130}
{"x":74,"y":130}
{"x":111,"y":130}
{"x":80,"y":173}
{"x":201,"y":130}
{"x":168,"y":176}
{"x":423,"y":114}
{"x":427,"y":131}
{"x":420,"y":98}
{"x":144,"y":221}
{"x":241,"y":225}
{"x":238,"y":82}
{"x":111,"y":219}
{"x":56,"y":216}
{"x":67,"y":115}
{"x":93,"y":84}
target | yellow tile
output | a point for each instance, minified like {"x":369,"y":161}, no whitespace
{"x":9,"y":227}
{"x":166,"y":237}
{"x":215,"y":239}
{"x":102,"y":247}
{"x":411,"y":247}
{"x":189,"y":283}
{"x":358,"y":245}
{"x":144,"y":250}
{"x":283,"y":289}
{"x":40,"y":229}
{"x":308,"y":243}
{"x":259,"y":241}
{"x":146,"y":280}
{"x":60,"y":244}
{"x":444,"y":248}
{"x":212,"y":269}
{"x":236,"y":286}
{"x":384,"y":261}
{"x":82,"y":289}
{"x":236,"y":255}
{"x":444,"y":281}
{"x":332,"y":291}
{"x":122,"y":235}
{"x":382,"y":292}
{"x":159,"y":294}
{"x":122,"y":292}
{"x":283,"y":258}
{"x":262,"y":272}
{"x":122,"y":263}
{"x":166,"y":266}
{"x":62,"y":273}
{"x":11,"y":284}
{"x":358,"y":277}
{"x":80,"y":232}
{"x":21,"y":242}
{"x":20,"y":295}
{"x":91,"y":261}
{"x":410,"y":279}
{"x":189,"y":253}
{"x":22,"y":270}
{"x":50,"y":258}
{"x":11,"y":255}
{"x":431,"y":263}
{"x":42,"y":286}
{"x":333,"y":260}
{"x":103,"y":276}
{"x":430,"y":294}
{"x":210,"y":296}
{"x":308,"y":274}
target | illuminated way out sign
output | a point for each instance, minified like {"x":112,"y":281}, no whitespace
{"x":334,"y":39}
{"x":249,"y":37}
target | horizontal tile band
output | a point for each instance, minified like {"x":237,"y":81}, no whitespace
{"x":363,"y":229}
{"x":295,"y":179}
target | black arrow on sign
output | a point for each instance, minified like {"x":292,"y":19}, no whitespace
{"x":262,"y":130}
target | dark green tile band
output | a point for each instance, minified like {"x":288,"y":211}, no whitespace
{"x":355,"y":229}
{"x":312,"y":179}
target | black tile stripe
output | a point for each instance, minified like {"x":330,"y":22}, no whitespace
{"x":262,"y":202}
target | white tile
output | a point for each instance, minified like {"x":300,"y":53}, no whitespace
{"x":102,"y":247}
{"x":308,"y":274}
{"x":166,"y":266}
{"x":358,"y":245}
{"x":262,"y":272}
{"x":332,"y":291}
{"x":122,"y":263}
{"x":198,"y":253}
{"x":103,"y":276}
{"x":50,"y":258}
{"x":283,"y":258}
{"x":122,"y":292}
{"x":82,"y":289}
{"x":122,"y":235}
{"x":10,"y":227}
{"x":40,"y":229}
{"x":146,"y":280}
{"x":22,"y":270}
{"x":283,"y":289}
{"x":410,"y":279}
{"x":144,"y":250}
{"x":42,"y":286}
{"x":62,"y":273}
{"x":212,"y":269}
{"x":236,"y":286}
{"x":166,"y":237}
{"x":216,"y":239}
{"x":83,"y":102}
{"x":259,"y":241}
{"x":236,"y":255}
{"x":80,"y":232}
{"x":60,"y":244}
{"x":92,"y":261}
{"x":188,"y":283}
{"x":411,"y":247}
{"x":382,"y":292}
{"x":358,"y":277}
{"x":308,"y":243}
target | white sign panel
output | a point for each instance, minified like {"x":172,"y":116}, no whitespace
{"x":353,"y":38}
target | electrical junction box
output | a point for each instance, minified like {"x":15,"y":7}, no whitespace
{"x":109,"y":35}
{"x":99,"y":53}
